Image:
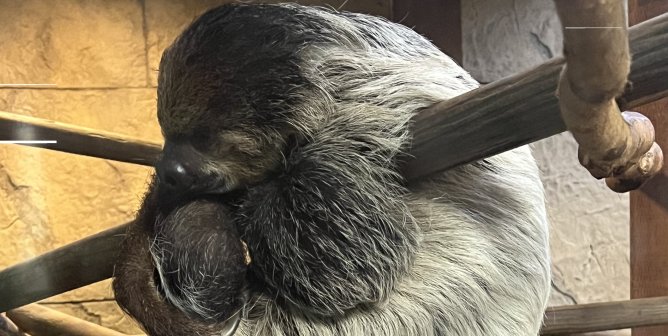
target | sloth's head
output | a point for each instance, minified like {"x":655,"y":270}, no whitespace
{"x":225,"y":92}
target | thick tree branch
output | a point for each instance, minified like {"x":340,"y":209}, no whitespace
{"x":38,"y":320}
{"x":618,"y":147}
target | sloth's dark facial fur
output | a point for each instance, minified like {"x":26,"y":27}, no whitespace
{"x":225,"y":93}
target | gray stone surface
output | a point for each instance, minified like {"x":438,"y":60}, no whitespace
{"x":504,"y":37}
{"x":589,"y":223}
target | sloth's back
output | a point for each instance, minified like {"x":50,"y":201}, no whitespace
{"x":482,"y":267}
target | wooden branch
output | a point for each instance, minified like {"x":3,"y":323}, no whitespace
{"x":8,"y":328}
{"x":617,"y":147}
{"x":648,"y":229}
{"x":492,"y":119}
{"x":72,"y":266}
{"x":38,"y":320}
{"x":78,"y":140}
{"x":523,"y":108}
{"x":577,"y":319}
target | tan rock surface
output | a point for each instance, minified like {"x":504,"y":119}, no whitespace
{"x":72,"y":43}
{"x":55,"y":198}
{"x":106,"y":314}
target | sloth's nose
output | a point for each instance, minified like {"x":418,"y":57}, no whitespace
{"x":174,"y":175}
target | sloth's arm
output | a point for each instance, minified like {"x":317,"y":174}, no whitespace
{"x":332,"y":231}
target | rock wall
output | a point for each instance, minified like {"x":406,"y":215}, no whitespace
{"x":103,"y":56}
{"x":589,"y":223}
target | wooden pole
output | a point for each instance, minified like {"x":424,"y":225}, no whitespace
{"x":439,"y":20}
{"x":38,"y":320}
{"x":576,"y":319}
{"x":8,"y":328}
{"x":492,"y":119}
{"x":77,"y":140}
{"x":523,"y":108}
{"x":649,"y":205}
{"x":649,"y":226}
{"x":72,"y":266}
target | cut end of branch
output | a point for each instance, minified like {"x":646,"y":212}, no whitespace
{"x":618,"y":147}
{"x":634,"y":177}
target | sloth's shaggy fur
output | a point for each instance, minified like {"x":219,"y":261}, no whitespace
{"x":198,"y":253}
{"x":340,"y":246}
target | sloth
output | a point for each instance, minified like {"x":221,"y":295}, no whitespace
{"x":285,"y":127}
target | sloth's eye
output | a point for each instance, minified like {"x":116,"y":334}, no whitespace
{"x":201,"y":138}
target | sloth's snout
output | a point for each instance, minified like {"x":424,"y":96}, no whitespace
{"x":174,"y":175}
{"x":180,"y":171}
{"x":178,"y":180}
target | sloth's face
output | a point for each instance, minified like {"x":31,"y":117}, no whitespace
{"x":224,"y":104}
{"x":214,"y":160}
{"x":215,"y":141}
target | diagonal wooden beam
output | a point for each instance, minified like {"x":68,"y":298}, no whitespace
{"x":37,"y":320}
{"x":69,"y":267}
{"x":494,"y":118}
{"x":77,"y":139}
{"x":576,"y":319}
{"x":523,"y":108}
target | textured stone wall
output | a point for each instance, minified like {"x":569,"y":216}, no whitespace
{"x":589,"y":223}
{"x":103,"y":56}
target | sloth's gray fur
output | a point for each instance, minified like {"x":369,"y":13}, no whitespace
{"x":480,"y":264}
{"x":469,"y":248}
